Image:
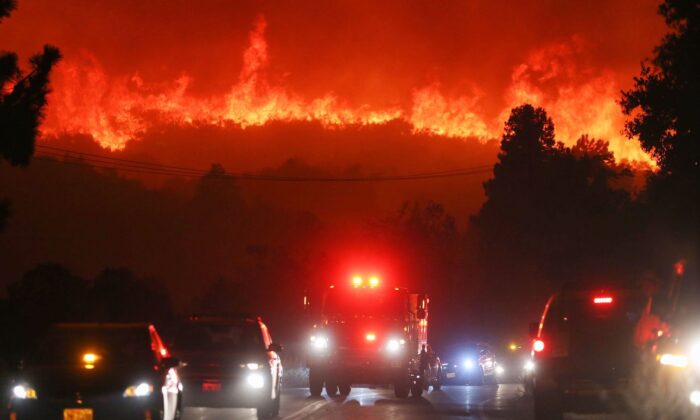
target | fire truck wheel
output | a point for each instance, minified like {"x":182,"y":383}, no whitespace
{"x":417,"y":389}
{"x":344,"y":389}
{"x":315,"y":382}
{"x":331,"y":388}
{"x":401,"y":389}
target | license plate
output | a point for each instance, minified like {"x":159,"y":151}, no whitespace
{"x":77,"y":414}
{"x":211,"y":386}
{"x":451,"y":375}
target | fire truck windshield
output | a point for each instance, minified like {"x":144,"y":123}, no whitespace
{"x":365,"y":303}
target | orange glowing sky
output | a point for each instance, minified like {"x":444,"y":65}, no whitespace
{"x":450,"y":68}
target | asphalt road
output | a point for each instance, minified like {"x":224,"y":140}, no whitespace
{"x":473,"y":402}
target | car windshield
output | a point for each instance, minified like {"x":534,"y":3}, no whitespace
{"x":462,"y":350}
{"x":67,"y":346}
{"x":365,"y":303}
{"x":219,"y":337}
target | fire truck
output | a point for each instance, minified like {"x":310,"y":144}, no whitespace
{"x":367,"y":332}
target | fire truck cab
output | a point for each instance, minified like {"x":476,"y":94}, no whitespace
{"x":371,"y":333}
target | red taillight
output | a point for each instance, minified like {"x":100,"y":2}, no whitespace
{"x":370,"y":337}
{"x":538,"y":346}
{"x":602,"y":300}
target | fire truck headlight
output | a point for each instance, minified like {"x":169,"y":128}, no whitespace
{"x":394,"y":345}
{"x":319,"y":343}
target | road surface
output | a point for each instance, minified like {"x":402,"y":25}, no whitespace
{"x":473,"y":402}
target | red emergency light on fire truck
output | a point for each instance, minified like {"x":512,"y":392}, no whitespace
{"x":371,"y":332}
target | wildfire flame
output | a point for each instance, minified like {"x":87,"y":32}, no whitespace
{"x":114,"y":110}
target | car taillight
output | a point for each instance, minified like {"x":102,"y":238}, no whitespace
{"x":538,"y":346}
{"x":602,"y":300}
{"x":370,"y":337}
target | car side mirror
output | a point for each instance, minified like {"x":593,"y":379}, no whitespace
{"x":170,"y":362}
{"x":422,"y":313}
{"x":534,"y":329}
{"x":277,"y":348}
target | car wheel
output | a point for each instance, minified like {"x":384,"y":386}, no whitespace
{"x":315,"y":382}
{"x":417,"y":389}
{"x":547,"y":405}
{"x":331,"y":388}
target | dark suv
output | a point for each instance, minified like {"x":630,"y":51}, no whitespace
{"x":230,"y":362}
{"x":583,"y":349}
{"x":98,"y":371}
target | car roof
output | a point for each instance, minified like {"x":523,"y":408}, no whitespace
{"x":102,"y":325}
{"x":224,"y":320}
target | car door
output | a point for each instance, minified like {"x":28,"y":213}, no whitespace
{"x":274,"y":360}
{"x":487,"y":360}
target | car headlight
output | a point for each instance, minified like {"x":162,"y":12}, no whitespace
{"x":24,"y":392}
{"x":395,"y":345}
{"x":143,"y":389}
{"x":469,"y":364}
{"x":529,"y":366}
{"x":319,"y":343}
{"x":255,"y":380}
{"x":500,"y":370}
{"x":674,"y":360}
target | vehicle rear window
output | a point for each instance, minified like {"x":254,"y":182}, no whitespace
{"x":115,"y":346}
{"x":579,"y":313}
{"x":222,"y":337}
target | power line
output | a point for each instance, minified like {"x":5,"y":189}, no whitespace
{"x":85,"y":155}
{"x":49,"y":153}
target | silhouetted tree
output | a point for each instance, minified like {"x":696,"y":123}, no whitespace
{"x":51,"y":292}
{"x":514,"y":209}
{"x":664,"y":113}
{"x":22,"y":102}
{"x":227,"y":297}
{"x":120,"y":297}
{"x":46,"y":294}
{"x":550,"y":212}
{"x":5,"y":210}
